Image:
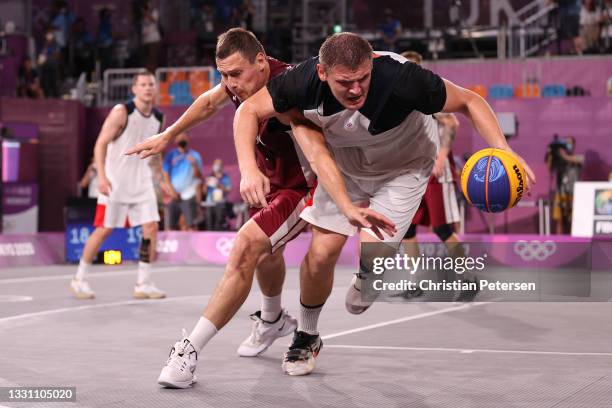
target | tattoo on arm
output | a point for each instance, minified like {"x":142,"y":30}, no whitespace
{"x":447,"y":137}
{"x":155,"y":164}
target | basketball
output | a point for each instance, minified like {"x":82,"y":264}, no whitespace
{"x":493,"y":180}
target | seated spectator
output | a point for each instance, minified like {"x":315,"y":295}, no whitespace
{"x":183,"y":171}
{"x":390,"y":31}
{"x":29,"y":82}
{"x":218,"y":186}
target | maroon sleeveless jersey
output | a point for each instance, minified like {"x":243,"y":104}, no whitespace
{"x":276,"y":152}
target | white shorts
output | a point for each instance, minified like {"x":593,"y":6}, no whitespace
{"x":397,"y":198}
{"x":111,"y":214}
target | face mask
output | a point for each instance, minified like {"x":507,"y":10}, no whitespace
{"x":216,"y":168}
{"x":182,"y":144}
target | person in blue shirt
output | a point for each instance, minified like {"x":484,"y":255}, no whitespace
{"x":183,"y":170}
{"x":218,"y":186}
{"x":390,"y":31}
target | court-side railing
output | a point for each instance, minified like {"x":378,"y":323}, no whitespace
{"x":177,"y":85}
{"x":542,"y":205}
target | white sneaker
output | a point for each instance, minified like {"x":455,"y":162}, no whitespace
{"x":180,"y":367}
{"x":263,"y":333}
{"x":353,"y":302}
{"x":81,"y":289}
{"x":148,"y":290}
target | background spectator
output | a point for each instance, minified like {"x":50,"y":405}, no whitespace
{"x":151,"y":35}
{"x":206,"y":37}
{"x":590,"y":25}
{"x":81,"y":49}
{"x":568,"y":25}
{"x":104,"y":39}
{"x":390,"y":30}
{"x":29,"y":82}
{"x":564,"y":167}
{"x":218,"y":187}
{"x":183,"y":170}
{"x":49,"y":63}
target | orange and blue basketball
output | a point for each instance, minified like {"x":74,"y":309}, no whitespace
{"x":493,"y":180}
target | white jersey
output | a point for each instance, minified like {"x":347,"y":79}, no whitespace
{"x":130,"y":177}
{"x":392,"y":134}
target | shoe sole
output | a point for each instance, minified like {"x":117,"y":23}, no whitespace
{"x":299,"y":369}
{"x":145,"y":296}
{"x":178,"y":384}
{"x":352,"y":309}
{"x":80,"y":295}
{"x":288,"y":330}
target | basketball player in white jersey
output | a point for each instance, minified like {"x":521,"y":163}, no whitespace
{"x":127,"y":197}
{"x":374,"y":110}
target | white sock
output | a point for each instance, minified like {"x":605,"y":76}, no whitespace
{"x":270,"y":307}
{"x":202,"y":333}
{"x":309,"y":318}
{"x":144,"y":272}
{"x":82,"y":270}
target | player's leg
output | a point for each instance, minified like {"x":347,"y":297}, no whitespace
{"x":444,"y":212}
{"x":146,"y":215}
{"x":271,"y":321}
{"x":316,"y":281}
{"x":250,"y":244}
{"x":398,"y":199}
{"x":104,"y":220}
{"x":330,"y":232}
{"x":145,"y":288}
{"x":281,"y":223}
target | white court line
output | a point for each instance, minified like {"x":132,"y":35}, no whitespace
{"x":404,"y":319}
{"x":99,"y":306}
{"x":469,"y":351}
{"x":106,"y":274}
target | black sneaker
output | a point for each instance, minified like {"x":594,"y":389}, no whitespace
{"x":410,"y":294}
{"x":304,"y":349}
{"x":468,"y":295}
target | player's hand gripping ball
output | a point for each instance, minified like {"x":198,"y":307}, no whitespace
{"x":493,"y":180}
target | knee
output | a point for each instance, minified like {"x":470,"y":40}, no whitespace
{"x":149,"y":229}
{"x":105,"y":232}
{"x":320,"y":259}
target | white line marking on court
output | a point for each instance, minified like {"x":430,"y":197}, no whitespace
{"x":106,"y":274}
{"x":99,"y":306}
{"x":15,"y":298}
{"x":405,"y":319}
{"x":470,"y":351}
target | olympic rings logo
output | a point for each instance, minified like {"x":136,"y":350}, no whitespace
{"x":224,"y":245}
{"x":535,"y":250}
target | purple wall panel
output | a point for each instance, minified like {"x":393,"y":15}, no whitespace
{"x":60,"y":124}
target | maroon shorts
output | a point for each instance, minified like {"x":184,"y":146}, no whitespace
{"x":280,"y":220}
{"x":438,"y":206}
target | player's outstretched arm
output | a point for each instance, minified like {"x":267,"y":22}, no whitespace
{"x":312,"y":142}
{"x":112,"y":127}
{"x":200,"y":110}
{"x":254,"y":185}
{"x":473,"y":106}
